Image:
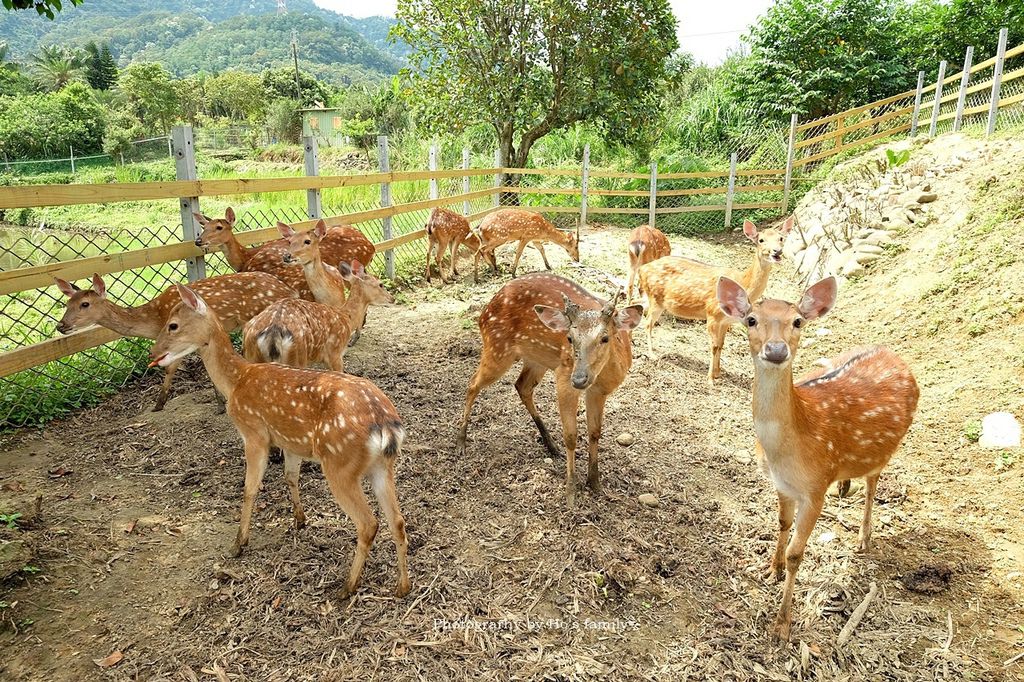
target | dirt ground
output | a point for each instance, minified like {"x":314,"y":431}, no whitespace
{"x":139,"y":510}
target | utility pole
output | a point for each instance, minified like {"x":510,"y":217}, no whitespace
{"x":295,"y":60}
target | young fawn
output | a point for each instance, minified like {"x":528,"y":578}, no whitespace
{"x":343,"y":422}
{"x":645,"y":244}
{"x":299,"y":333}
{"x":838,"y":422}
{"x":512,"y":224}
{"x":339,"y":244}
{"x":235,"y":299}
{"x":549,"y":322}
{"x":447,"y":228}
{"x":686,"y":288}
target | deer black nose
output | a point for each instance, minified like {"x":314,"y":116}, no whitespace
{"x":288,"y":258}
{"x":776,"y":352}
{"x":199,"y":241}
{"x":64,"y":328}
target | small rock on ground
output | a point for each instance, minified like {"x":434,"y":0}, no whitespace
{"x":625,"y":439}
{"x":649,"y":500}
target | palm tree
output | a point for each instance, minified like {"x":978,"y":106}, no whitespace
{"x":5,"y":58}
{"x":54,"y":67}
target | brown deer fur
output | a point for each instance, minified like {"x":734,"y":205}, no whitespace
{"x":645,"y":244}
{"x":515,"y":224}
{"x":446,"y":229}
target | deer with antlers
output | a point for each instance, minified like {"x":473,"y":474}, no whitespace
{"x":645,"y":244}
{"x":526,"y":227}
{"x":687,"y":288}
{"x":447,"y":229}
{"x":343,"y":422}
{"x":234,"y":298}
{"x":552,"y":323}
{"x":339,"y":244}
{"x":841,"y":421}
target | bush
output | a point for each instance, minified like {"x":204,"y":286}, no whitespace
{"x":37,"y":126}
{"x":284,"y":121}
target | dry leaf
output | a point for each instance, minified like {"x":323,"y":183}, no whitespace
{"x":130,"y":528}
{"x":110,"y":661}
{"x":276,"y":603}
{"x":59,"y":471}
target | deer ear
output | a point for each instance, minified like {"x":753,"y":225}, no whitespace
{"x":819,"y":299}
{"x":750,"y":229}
{"x":787,"y":226}
{"x":346,"y":270}
{"x":321,"y":228}
{"x":99,"y":286}
{"x":66,"y":287}
{"x":229,"y":215}
{"x":357,"y":268}
{"x":628,"y":318}
{"x":286,"y":231}
{"x":191,"y":299}
{"x":553,"y":318}
{"x":732,"y":298}
{"x":200,"y":218}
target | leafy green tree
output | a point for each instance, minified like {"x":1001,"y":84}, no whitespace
{"x":937,"y":30}
{"x":284,"y":121}
{"x":361,"y":132}
{"x":46,"y":8}
{"x":191,"y":95}
{"x":148,"y":93}
{"x":237,"y":95}
{"x":530,"y":67}
{"x":46,"y":124}
{"x":101,"y":69}
{"x":280,"y":83}
{"x":55,"y":67}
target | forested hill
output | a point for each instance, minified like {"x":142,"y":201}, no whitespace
{"x":189,"y":36}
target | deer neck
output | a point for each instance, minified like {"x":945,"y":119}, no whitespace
{"x":755,"y":278}
{"x":222,"y":363}
{"x":778,"y":411}
{"x":325,"y":289}
{"x":144,"y":320}
{"x":237,"y":254}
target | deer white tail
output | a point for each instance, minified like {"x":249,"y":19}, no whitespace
{"x":637,"y":247}
{"x":386,"y":439}
{"x":275,"y":343}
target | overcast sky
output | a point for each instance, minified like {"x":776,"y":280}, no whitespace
{"x":708,"y":30}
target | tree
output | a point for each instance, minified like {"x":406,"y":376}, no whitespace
{"x":237,"y":95}
{"x":46,"y":124}
{"x":101,"y":69}
{"x":284,"y":121}
{"x":147,"y":91}
{"x":529,"y":67}
{"x":47,"y":8}
{"x":55,"y":67}
{"x":937,"y":30}
{"x":280,"y":84}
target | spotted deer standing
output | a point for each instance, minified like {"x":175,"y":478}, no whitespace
{"x":339,"y":244}
{"x":551,"y":323}
{"x":687,"y":288}
{"x":838,"y":422}
{"x":645,"y":244}
{"x":446,"y":228}
{"x":343,"y":422}
{"x":235,"y":299}
{"x":526,"y":227}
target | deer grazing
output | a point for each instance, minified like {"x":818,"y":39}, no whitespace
{"x":645,"y":244}
{"x":446,"y":229}
{"x":549,"y":322}
{"x":343,"y":243}
{"x":235,"y":299}
{"x":343,"y":422}
{"x":515,"y":224}
{"x":841,"y":421}
{"x":687,"y":288}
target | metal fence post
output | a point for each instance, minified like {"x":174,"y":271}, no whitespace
{"x":170,"y":147}
{"x":585,"y":184}
{"x":997,"y":79}
{"x":938,"y":99}
{"x":499,"y":162}
{"x":72,"y":150}
{"x":432,"y":166}
{"x":313,"y":201}
{"x":653,"y":203}
{"x":965,"y":77}
{"x":732,"y":189}
{"x":185,"y":169}
{"x":790,"y":153}
{"x":465,"y":180}
{"x":917,"y":104}
{"x":385,"y":201}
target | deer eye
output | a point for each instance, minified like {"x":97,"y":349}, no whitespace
{"x":761,"y":240}
{"x":569,"y":336}
{"x":306,"y":242}
{"x":797,"y":323}
{"x":604,"y":339}
{"x":85,"y":304}
{"x":219,"y":228}
{"x":751,"y":321}
{"x":173,"y":326}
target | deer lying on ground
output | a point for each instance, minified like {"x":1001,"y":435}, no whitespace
{"x":687,"y":288}
{"x":343,"y":422}
{"x":343,"y":243}
{"x":549,"y":322}
{"x":839,"y":422}
{"x":516,"y":224}
{"x":235,"y":299}
{"x":645,"y":244}
{"x":447,"y":228}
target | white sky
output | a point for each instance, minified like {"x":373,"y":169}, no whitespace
{"x":707,"y":29}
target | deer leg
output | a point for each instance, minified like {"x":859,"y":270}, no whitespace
{"x":716,"y":330}
{"x":441,"y":248}
{"x":806,"y":517}
{"x":383,"y":482}
{"x":525,"y":384}
{"x":870,"y":485}
{"x":456,"y":243}
{"x":347,"y":491}
{"x":430,"y":252}
{"x":654,"y":312}
{"x":843,"y":488}
{"x":476,"y":263}
{"x":292,"y":466}
{"x":519,"y":254}
{"x":595,"y":420}
{"x":490,"y":370}
{"x":257,"y":451}
{"x":222,"y":405}
{"x":568,"y":407}
{"x":777,"y":565}
{"x":165,"y":387}
{"x":629,"y":285}
{"x":540,"y":247}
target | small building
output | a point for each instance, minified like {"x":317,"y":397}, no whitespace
{"x":323,"y":124}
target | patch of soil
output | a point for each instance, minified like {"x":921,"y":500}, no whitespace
{"x":928,"y":579}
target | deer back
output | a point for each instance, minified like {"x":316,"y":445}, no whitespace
{"x":686,"y":288}
{"x":445,"y":225}
{"x":647,"y":244}
{"x":513,"y":224}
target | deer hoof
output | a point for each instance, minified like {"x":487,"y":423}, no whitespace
{"x":403,"y":589}
{"x":775,"y":573}
{"x":236,"y":549}
{"x":781,"y":630}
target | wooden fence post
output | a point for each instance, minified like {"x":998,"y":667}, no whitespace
{"x":653,"y":203}
{"x":917,"y":104}
{"x":965,"y":77}
{"x":385,"y":201}
{"x":185,"y":169}
{"x":499,"y":162}
{"x":465,"y":180}
{"x":584,"y":184}
{"x":790,"y":152}
{"x":732,"y":189}
{"x":938,"y":99}
{"x":432,"y":166}
{"x":997,"y":80}
{"x":313,"y":201}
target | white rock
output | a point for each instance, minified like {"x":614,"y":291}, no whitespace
{"x":1000,"y":430}
{"x":625,"y":439}
{"x":826,"y":537}
{"x":649,"y":500}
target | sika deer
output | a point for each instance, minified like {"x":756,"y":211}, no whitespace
{"x":645,"y":244}
{"x":549,"y":322}
{"x":344,"y":422}
{"x":235,"y":298}
{"x":299,"y":333}
{"x":838,"y":422}
{"x":447,"y":228}
{"x":686,"y":288}
{"x":512,"y":224}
